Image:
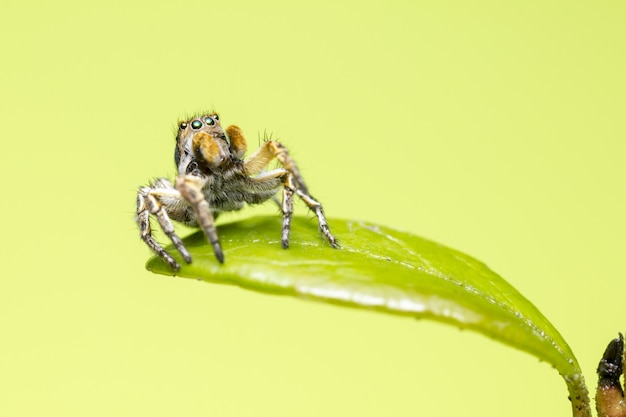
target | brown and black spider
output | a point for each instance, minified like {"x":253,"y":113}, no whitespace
{"x":213,"y":177}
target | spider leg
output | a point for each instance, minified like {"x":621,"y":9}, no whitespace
{"x":270,"y":150}
{"x":148,"y":203}
{"x":287,"y":208}
{"x":190,"y":188}
{"x":270,"y":180}
{"x":293,"y":183}
{"x":317,"y":208}
{"x":164,"y":220}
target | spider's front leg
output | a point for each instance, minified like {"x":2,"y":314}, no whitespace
{"x":293,"y":183}
{"x":190,"y":188}
{"x":150,"y":200}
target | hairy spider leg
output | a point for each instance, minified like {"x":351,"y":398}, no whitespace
{"x":270,"y":150}
{"x":287,"y":207}
{"x":148,"y":203}
{"x":317,"y":208}
{"x":274,"y":150}
{"x":190,"y":188}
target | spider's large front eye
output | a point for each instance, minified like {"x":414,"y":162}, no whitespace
{"x":196,"y":124}
{"x":209,"y":121}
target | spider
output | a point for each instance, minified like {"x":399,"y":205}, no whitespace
{"x":212,"y":178}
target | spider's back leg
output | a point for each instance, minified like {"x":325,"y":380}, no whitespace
{"x":150,"y":201}
{"x":293,"y":183}
{"x":317,"y":208}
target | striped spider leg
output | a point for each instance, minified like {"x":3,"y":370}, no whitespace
{"x":212,"y":178}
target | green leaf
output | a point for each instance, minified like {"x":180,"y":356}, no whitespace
{"x":381,"y":269}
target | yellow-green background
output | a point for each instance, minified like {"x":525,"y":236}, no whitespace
{"x":493,"y":127}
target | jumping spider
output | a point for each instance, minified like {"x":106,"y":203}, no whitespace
{"x":213,"y":177}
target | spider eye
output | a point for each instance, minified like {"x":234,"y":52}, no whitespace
{"x":209,"y":121}
{"x":183,"y":125}
{"x":196,"y":124}
{"x":216,"y":117}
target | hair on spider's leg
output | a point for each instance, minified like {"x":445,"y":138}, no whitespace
{"x":301,"y":189}
{"x":287,"y":209}
{"x":161,"y":188}
{"x":143,"y":221}
{"x":317,"y":208}
{"x":272,"y":149}
{"x":166,"y":225}
{"x":191,"y":190}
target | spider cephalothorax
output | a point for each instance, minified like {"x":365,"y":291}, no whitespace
{"x":213,"y":177}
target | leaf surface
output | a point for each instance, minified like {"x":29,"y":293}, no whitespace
{"x":381,"y":269}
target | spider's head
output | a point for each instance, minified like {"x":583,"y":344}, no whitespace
{"x":201,"y":138}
